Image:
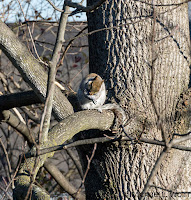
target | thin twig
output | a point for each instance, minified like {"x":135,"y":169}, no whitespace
{"x":69,"y":45}
{"x":14,"y":175}
{"x":29,"y":115}
{"x":32,"y":176}
{"x":126,"y":24}
{"x":58,"y":9}
{"x":159,"y":161}
{"x":6,"y":193}
{"x":106,"y":139}
{"x":31,"y":35}
{"x":19,"y":115}
{"x":152,"y":86}
{"x":79,"y":72}
{"x":153,"y":172}
{"x":88,"y":167}
{"x":152,"y":99}
{"x":181,"y":139}
{"x":78,"y":6}
{"x":7,"y":157}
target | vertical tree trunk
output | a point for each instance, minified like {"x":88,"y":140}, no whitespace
{"x":143,"y":55}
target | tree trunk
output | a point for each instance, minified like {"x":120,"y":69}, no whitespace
{"x":142,"y":52}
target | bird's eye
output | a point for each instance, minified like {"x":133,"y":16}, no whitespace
{"x":89,"y":86}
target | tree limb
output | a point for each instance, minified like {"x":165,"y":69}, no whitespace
{"x":109,"y":139}
{"x":78,"y":6}
{"x":62,"y":181}
{"x":82,"y":8}
{"x":76,"y":161}
{"x":14,"y":122}
{"x":60,"y":133}
{"x":18,"y":100}
{"x":31,"y":71}
{"x":28,"y":98}
{"x":45,"y":123}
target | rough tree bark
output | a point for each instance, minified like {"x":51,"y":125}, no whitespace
{"x":143,"y":54}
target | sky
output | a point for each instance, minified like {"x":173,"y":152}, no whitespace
{"x":33,"y":8}
{"x":14,"y":14}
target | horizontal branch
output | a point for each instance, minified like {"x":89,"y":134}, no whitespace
{"x":18,"y":100}
{"x":60,"y":133}
{"x":104,"y":140}
{"x":27,"y":98}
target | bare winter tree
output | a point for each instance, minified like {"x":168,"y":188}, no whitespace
{"x":142,"y":50}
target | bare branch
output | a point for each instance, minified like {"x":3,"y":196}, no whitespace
{"x":6,"y":193}
{"x":153,"y":172}
{"x":7,"y":157}
{"x":159,"y":161}
{"x":14,"y":122}
{"x":76,"y":161}
{"x":82,"y":8}
{"x":60,"y":133}
{"x":13,"y":178}
{"x":62,"y":181}
{"x":69,"y":45}
{"x":59,"y":178}
{"x":50,"y":2}
{"x":18,"y":99}
{"x":29,"y":30}
{"x":88,"y":166}
{"x":32,"y":72}
{"x":78,"y":6}
{"x":111,"y":139}
{"x":153,"y":70}
{"x":30,"y":115}
{"x":52,"y":74}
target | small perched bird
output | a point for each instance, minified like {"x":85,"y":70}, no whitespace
{"x":92,"y":93}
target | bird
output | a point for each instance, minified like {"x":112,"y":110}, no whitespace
{"x":92,"y":92}
{"x":92,"y":95}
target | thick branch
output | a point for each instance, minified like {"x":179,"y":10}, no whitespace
{"x":28,"y":98}
{"x":32,"y":72}
{"x":14,"y":122}
{"x":60,"y":133}
{"x":18,"y":100}
{"x":62,"y":181}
